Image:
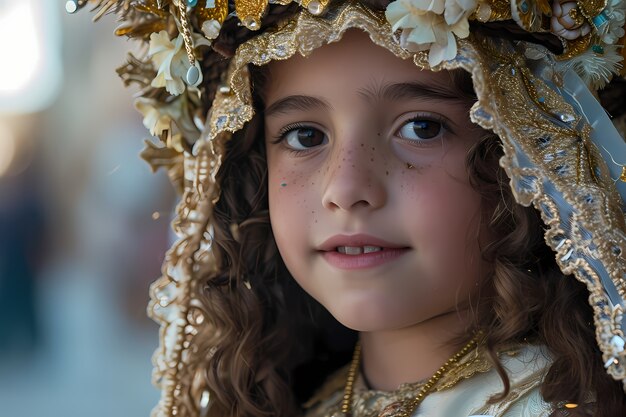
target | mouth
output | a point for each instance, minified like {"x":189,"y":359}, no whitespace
{"x":357,"y":244}
{"x":360,"y":251}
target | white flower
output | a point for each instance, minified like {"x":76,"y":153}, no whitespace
{"x":431,"y":24}
{"x":597,"y":69}
{"x":171,"y":61}
{"x":613,"y":29}
{"x":564,"y":25}
{"x":154,"y":119}
{"x":158,"y":116}
{"x":170,"y":57}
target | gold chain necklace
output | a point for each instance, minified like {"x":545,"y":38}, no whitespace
{"x":407,"y":407}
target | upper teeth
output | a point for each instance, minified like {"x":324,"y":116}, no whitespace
{"x":357,"y":250}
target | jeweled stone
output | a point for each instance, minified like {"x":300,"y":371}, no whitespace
{"x":315,"y":7}
{"x":281,"y":51}
{"x":618,"y":343}
{"x":567,"y":255}
{"x":192,"y":3}
{"x":221,"y":122}
{"x":600,"y":20}
{"x":566,"y":117}
{"x":251,"y":23}
{"x":481,"y":113}
{"x":524,"y":7}
{"x":612,"y":361}
{"x":598,"y":49}
{"x":194,"y":76}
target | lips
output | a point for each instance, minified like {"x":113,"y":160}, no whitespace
{"x":360,"y":251}
{"x":359,"y":240}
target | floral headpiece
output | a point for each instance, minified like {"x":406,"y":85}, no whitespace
{"x":532,"y":63}
{"x":586,"y":35}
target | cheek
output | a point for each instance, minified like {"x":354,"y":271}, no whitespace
{"x":291,"y":210}
{"x":446,"y":230}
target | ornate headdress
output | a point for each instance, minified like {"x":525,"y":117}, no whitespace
{"x":533,"y":71}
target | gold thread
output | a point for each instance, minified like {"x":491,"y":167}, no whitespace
{"x":591,"y":8}
{"x":577,"y":16}
{"x":184,"y":22}
{"x":403,"y":408}
{"x":575,"y":47}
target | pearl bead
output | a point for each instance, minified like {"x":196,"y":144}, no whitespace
{"x":71,"y":6}
{"x":315,"y":7}
{"x":483,"y":13}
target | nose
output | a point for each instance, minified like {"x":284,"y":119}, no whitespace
{"x":354,"y":179}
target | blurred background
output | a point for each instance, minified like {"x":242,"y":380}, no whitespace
{"x":84,"y":224}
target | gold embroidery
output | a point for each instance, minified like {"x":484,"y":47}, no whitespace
{"x":370,"y":403}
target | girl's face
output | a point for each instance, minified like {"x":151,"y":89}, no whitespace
{"x":369,"y":197}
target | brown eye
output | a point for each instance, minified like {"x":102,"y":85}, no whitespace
{"x":420,"y":129}
{"x":303,"y":138}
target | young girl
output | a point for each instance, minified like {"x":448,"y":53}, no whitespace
{"x":355,"y":230}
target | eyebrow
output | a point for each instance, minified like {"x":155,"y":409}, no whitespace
{"x":411,"y":91}
{"x":296,"y":103}
{"x":386,"y":92}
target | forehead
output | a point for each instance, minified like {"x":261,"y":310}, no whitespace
{"x":353,"y":63}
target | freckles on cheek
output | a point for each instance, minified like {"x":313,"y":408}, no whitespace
{"x":288,"y":202}
{"x":292,"y":214}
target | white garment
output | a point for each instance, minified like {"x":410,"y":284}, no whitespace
{"x":470,"y":397}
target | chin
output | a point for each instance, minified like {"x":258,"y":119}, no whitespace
{"x":363,"y":316}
